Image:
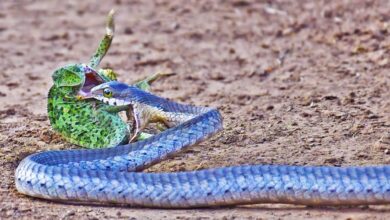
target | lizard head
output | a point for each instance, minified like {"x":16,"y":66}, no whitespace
{"x":80,"y":78}
{"x":83,"y":122}
{"x":77,"y":79}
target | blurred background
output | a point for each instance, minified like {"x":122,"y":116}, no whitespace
{"x":297,"y":82}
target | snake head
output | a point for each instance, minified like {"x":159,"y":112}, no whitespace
{"x":114,"y":93}
{"x":140,"y":105}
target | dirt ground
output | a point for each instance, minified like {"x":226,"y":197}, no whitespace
{"x":297,"y":82}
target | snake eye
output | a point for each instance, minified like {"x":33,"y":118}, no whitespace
{"x":107,"y":93}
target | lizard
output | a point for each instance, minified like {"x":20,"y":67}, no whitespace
{"x":84,"y":122}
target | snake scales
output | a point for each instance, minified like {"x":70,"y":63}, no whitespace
{"x":110,"y":175}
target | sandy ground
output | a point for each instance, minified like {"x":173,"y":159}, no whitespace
{"x":297,"y":83}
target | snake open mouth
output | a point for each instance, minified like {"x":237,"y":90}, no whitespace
{"x":92,"y":79}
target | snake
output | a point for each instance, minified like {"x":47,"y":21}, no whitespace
{"x":111,"y":175}
{"x":84,"y":106}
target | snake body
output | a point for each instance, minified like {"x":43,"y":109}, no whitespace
{"x":111,"y":175}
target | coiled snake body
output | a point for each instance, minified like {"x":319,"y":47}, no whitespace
{"x":110,"y":175}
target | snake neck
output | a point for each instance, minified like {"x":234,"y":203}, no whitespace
{"x":83,"y":122}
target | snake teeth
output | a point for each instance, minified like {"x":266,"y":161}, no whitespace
{"x":113,"y":101}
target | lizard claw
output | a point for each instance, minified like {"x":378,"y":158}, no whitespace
{"x":139,"y":121}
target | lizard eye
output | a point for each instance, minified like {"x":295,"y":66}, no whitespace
{"x":107,"y":93}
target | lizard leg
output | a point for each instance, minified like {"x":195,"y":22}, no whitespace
{"x":143,"y":115}
{"x":146,"y":83}
{"x":108,"y":74}
{"x":143,"y":136}
{"x":140,"y":121}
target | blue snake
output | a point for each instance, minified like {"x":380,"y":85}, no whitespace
{"x":112,"y":175}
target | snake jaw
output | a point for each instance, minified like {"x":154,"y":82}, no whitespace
{"x":97,"y":88}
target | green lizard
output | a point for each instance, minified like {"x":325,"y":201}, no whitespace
{"x":86,"y":122}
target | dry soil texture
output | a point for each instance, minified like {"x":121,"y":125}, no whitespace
{"x":297,"y":82}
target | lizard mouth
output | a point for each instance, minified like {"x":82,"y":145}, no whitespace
{"x":92,"y":79}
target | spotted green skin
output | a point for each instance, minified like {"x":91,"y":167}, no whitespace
{"x":88,"y":123}
{"x":82,"y":122}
